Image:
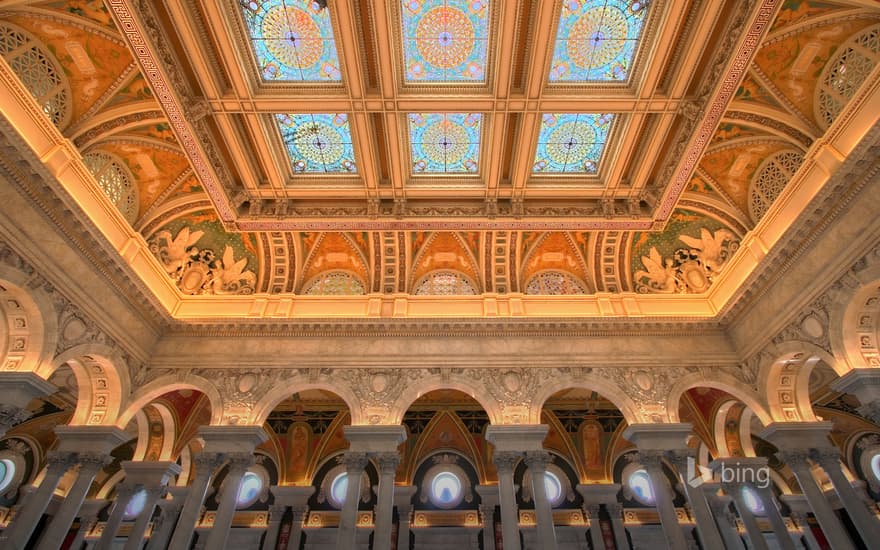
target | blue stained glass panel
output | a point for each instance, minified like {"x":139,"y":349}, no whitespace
{"x":292,"y":40}
{"x":443,"y":143}
{"x":318,"y":143}
{"x":597,"y":40}
{"x":571,"y":142}
{"x":445,"y":40}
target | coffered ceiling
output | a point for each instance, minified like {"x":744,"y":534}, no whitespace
{"x":442,"y":157}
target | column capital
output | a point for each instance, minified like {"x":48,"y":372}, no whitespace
{"x":615,"y":509}
{"x":592,"y":511}
{"x":58,"y":462}
{"x":505,"y":461}
{"x":92,"y":462}
{"x":403,"y":495}
{"x":489,"y":495}
{"x":354,"y":462}
{"x":826,"y":458}
{"x":660,"y":436}
{"x":239,"y":462}
{"x":232,"y":439}
{"x":537,"y":460}
{"x":387,"y":461}
{"x":276,"y":512}
{"x":207,"y":462}
{"x":374,"y":439}
{"x":517,"y":437}
{"x":795,"y":459}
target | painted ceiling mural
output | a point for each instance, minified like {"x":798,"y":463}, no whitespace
{"x":769,"y":125}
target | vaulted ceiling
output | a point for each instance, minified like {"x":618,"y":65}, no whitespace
{"x":449,"y":147}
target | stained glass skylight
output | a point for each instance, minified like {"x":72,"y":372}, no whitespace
{"x":445,"y":40}
{"x":445,"y":142}
{"x":318,"y":143}
{"x":571,"y":142}
{"x":597,"y":39}
{"x":292,"y":39}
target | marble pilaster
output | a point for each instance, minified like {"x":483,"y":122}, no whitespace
{"x":355,"y":463}
{"x":536,"y":462}
{"x":403,"y":495}
{"x":297,"y":499}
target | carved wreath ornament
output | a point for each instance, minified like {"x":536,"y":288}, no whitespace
{"x":201,"y":271}
{"x":690,"y":270}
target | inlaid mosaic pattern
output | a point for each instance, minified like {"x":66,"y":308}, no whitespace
{"x":597,"y":40}
{"x":572,"y":142}
{"x":445,"y":40}
{"x":445,"y":142}
{"x":318,"y":143}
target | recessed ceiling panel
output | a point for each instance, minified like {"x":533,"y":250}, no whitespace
{"x":445,"y":40}
{"x":572,"y":142}
{"x":445,"y":143}
{"x":596,"y":40}
{"x":318,"y":143}
{"x":292,"y":40}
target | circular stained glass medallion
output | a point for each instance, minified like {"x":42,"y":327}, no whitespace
{"x":445,"y":37}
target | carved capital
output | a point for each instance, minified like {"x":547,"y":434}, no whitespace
{"x":11,"y":416}
{"x":796,"y":460}
{"x":239,"y":462}
{"x":92,"y":462}
{"x":871,"y":411}
{"x":615,"y":509}
{"x":206,"y":463}
{"x":826,"y":458}
{"x":537,"y":460}
{"x":276,"y":513}
{"x":354,"y":463}
{"x":58,"y":462}
{"x":505,"y":461}
{"x":387,"y":461}
{"x":592,"y":511}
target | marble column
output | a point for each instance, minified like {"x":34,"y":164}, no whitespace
{"x":865,"y":521}
{"x":355,"y":463}
{"x":536,"y":462}
{"x":828,"y":520}
{"x":864,"y":383}
{"x":205,"y":463}
{"x":654,"y":441}
{"x":89,"y":466}
{"x":505,"y":462}
{"x":753,"y":530}
{"x":297,"y":499}
{"x":783,"y":536}
{"x":795,"y":440}
{"x":88,"y":517}
{"x":510,"y":441}
{"x":154,"y":478}
{"x":591,"y":511}
{"x":707,"y":530}
{"x":403,"y":501}
{"x":169,"y":512}
{"x":124,"y":492}
{"x":615,"y":512}
{"x":25,"y":521}
{"x":724,"y":518}
{"x":387,"y":462}
{"x":276,"y":514}
{"x":219,"y":533}
{"x":799,"y":508}
{"x":488,"y":502}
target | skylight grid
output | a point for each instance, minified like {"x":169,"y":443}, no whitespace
{"x":445,"y":40}
{"x":292,"y":40}
{"x":572,"y":142}
{"x":318,"y":143}
{"x":445,"y":143}
{"x":597,"y":40}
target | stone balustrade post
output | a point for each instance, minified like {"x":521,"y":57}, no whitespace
{"x":536,"y":462}
{"x":355,"y":463}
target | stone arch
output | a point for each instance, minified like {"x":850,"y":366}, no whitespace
{"x":474,"y":388}
{"x":786,"y":379}
{"x":719,"y":381}
{"x":164,"y":384}
{"x":854,"y":321}
{"x":608,"y":390}
{"x":29,"y":328}
{"x":102,"y":381}
{"x":279,"y":393}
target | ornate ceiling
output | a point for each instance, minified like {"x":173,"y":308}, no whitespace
{"x":265,"y":157}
